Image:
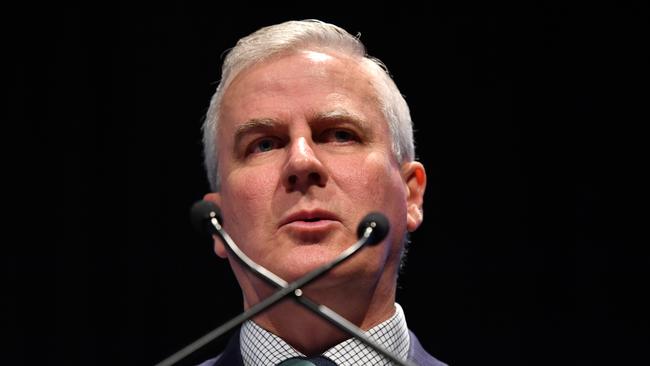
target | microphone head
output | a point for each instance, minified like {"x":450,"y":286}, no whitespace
{"x":201,"y":213}
{"x":380,"y":227}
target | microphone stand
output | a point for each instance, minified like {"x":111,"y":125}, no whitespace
{"x":285,"y":289}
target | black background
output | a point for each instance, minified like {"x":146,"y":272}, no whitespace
{"x":528,"y":119}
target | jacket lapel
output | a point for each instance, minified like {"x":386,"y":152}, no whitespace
{"x":231,"y":355}
{"x":418,"y":355}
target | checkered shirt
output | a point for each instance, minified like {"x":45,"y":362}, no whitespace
{"x":262,"y":348}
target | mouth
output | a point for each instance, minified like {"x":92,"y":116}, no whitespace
{"x":309,"y":218}
{"x":313,"y":219}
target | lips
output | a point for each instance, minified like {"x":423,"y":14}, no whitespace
{"x":308,"y":216}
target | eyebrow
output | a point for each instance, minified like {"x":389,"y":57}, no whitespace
{"x":261,"y":124}
{"x":342,"y":115}
{"x":254,"y":124}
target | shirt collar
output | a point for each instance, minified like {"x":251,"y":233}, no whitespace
{"x":262,"y":348}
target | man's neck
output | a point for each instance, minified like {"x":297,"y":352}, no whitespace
{"x":311,"y":334}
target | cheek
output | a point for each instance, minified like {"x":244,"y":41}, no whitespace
{"x":383,"y":177}
{"x":377,"y":185}
{"x":376,"y":180}
{"x":245,"y":193}
{"x":251,"y":187}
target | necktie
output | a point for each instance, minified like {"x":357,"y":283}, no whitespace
{"x":304,"y":361}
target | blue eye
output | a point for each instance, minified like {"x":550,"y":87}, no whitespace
{"x":263,"y":145}
{"x":343,"y":136}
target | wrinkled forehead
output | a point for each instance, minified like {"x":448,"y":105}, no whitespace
{"x":326,"y":60}
{"x":293,"y":75}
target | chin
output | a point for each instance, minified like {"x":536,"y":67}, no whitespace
{"x":307,"y":258}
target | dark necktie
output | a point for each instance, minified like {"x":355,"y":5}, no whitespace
{"x":308,"y":361}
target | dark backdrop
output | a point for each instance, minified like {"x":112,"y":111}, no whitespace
{"x":528,"y":120}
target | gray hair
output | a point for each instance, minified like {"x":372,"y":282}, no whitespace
{"x":308,"y":34}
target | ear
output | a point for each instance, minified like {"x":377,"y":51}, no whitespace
{"x":219,"y":247}
{"x":415,"y":179}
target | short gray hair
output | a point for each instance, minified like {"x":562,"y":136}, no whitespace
{"x":308,"y":34}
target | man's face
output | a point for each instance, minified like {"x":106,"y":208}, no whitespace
{"x":304,"y":155}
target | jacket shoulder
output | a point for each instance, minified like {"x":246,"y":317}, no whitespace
{"x":231,"y":355}
{"x":419,"y":356}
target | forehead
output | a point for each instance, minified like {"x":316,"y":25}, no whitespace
{"x":300,"y":83}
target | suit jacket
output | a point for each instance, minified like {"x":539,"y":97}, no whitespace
{"x":231,"y":356}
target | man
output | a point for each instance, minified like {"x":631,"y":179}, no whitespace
{"x":305,"y":135}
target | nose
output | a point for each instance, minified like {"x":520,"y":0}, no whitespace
{"x":303,"y":169}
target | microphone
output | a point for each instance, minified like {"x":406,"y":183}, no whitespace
{"x":201,"y":213}
{"x":379,"y":224}
{"x":206,"y":216}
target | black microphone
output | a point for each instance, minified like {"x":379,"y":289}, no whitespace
{"x":206,"y":216}
{"x":201,"y":213}
{"x":379,"y":224}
